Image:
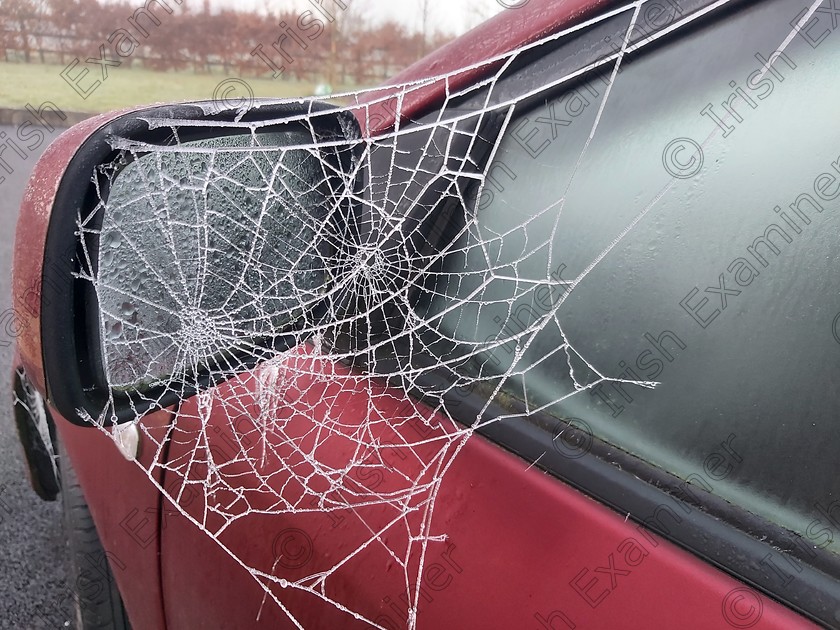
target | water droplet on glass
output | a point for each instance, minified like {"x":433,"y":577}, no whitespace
{"x":128,"y":309}
{"x":116,"y":331}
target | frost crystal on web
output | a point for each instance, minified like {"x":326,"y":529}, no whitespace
{"x":341,"y":294}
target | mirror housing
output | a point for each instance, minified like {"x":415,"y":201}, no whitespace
{"x":74,"y":327}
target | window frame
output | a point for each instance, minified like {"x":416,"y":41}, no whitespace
{"x":745,"y":546}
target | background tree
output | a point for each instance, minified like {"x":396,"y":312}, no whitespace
{"x":425,"y":10}
{"x":350,"y":47}
{"x":19,"y":16}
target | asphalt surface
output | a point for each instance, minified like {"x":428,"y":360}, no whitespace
{"x":32,"y":575}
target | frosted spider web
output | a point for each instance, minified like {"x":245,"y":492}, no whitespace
{"x":258,"y":233}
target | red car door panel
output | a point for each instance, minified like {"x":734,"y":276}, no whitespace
{"x":521,"y":549}
{"x":125,"y":506}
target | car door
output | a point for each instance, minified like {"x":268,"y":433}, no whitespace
{"x":606,"y":258}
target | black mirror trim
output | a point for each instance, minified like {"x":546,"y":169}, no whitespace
{"x":73,"y":387}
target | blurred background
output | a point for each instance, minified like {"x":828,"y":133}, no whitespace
{"x":91,"y":56}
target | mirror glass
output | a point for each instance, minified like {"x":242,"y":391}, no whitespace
{"x":207,"y":251}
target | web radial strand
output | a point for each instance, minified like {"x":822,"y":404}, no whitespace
{"x":384,"y":274}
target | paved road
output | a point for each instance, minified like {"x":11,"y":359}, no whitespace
{"x":32,"y":576}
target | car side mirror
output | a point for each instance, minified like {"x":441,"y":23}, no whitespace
{"x":187,"y":247}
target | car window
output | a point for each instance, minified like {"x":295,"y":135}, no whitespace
{"x":652,"y":256}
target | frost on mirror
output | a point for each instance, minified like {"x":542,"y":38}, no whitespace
{"x":206,"y":251}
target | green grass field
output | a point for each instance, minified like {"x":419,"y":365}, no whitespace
{"x":34,"y":83}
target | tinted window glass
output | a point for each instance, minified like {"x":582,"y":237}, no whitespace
{"x":682,"y":306}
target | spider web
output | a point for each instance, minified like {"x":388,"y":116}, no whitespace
{"x":349,"y":244}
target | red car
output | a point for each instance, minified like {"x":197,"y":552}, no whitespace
{"x":543,"y":334}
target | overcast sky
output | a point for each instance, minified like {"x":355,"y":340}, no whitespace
{"x":454,"y":16}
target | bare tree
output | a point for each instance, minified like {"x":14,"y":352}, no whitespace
{"x":349,"y":44}
{"x":20,"y":13}
{"x":478,"y":11}
{"x":356,"y":41}
{"x":425,"y":8}
{"x":337,"y":30}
